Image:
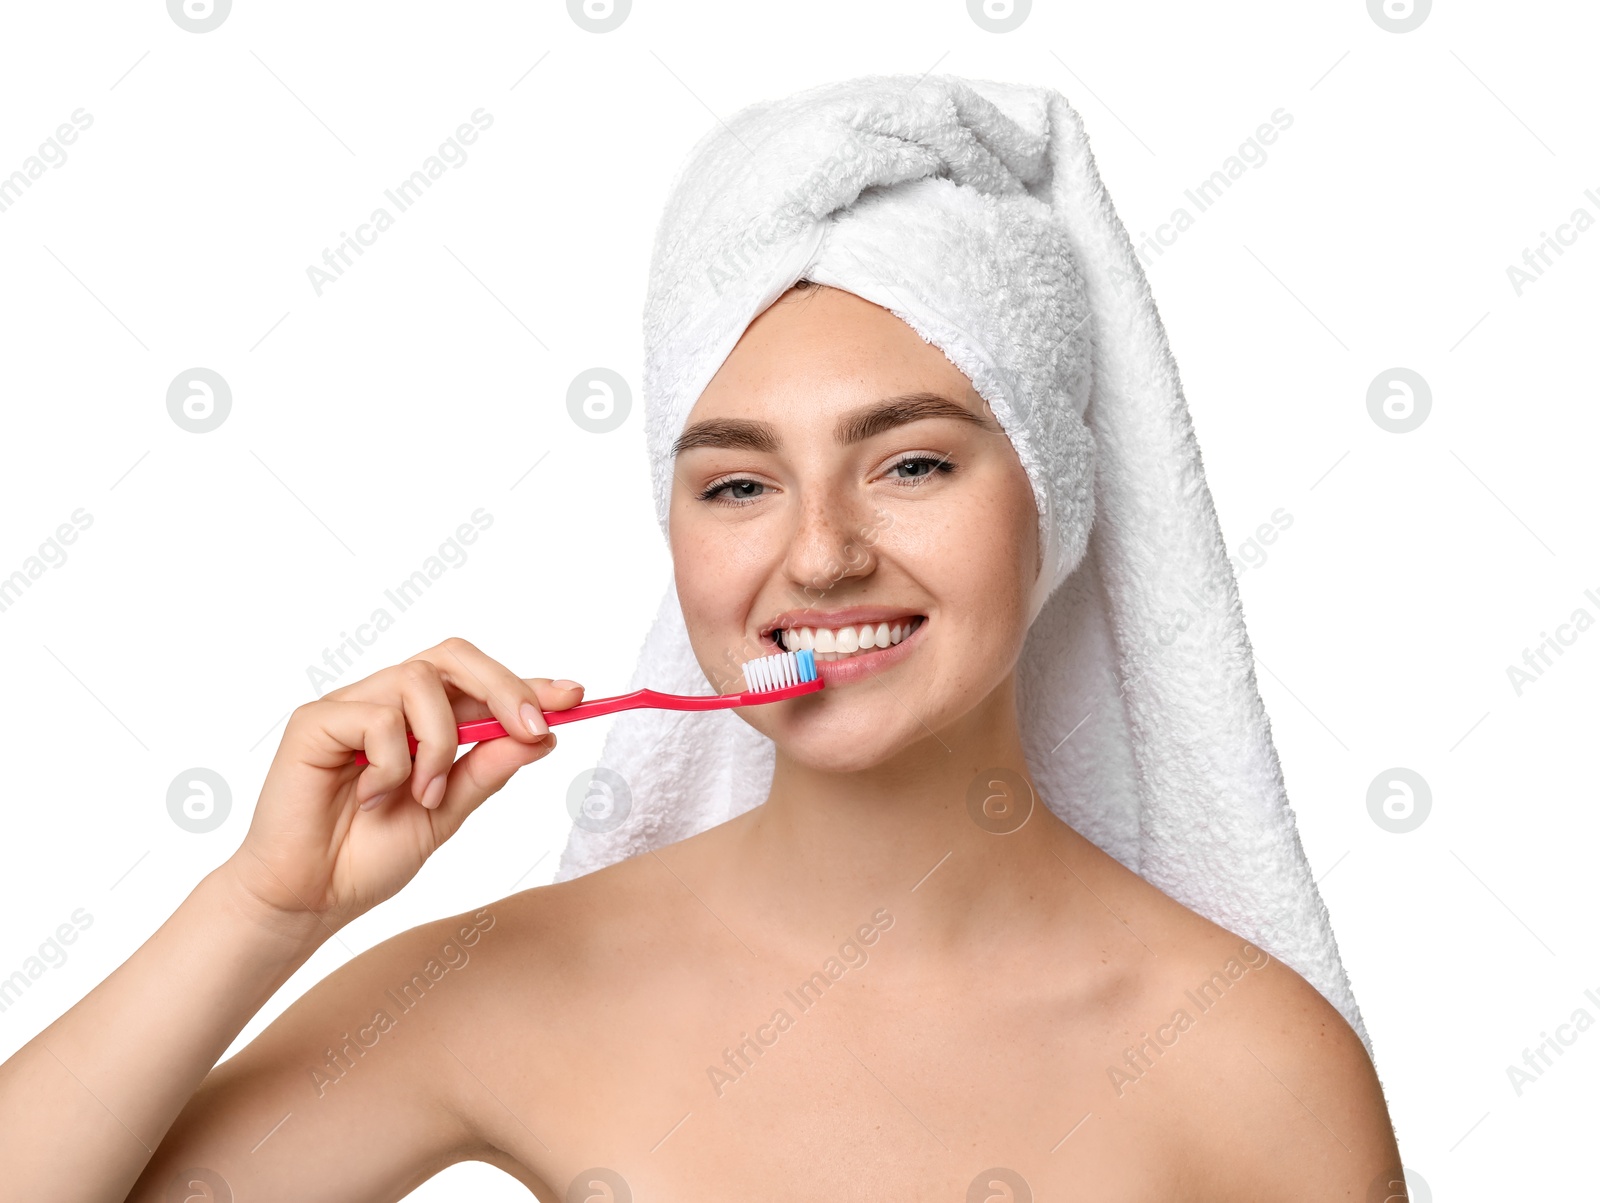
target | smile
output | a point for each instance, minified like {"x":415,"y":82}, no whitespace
{"x":844,"y":654}
{"x":843,"y":642}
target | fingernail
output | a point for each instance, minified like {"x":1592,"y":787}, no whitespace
{"x":566,"y":684}
{"x":532,"y":715}
{"x":375,"y":799}
{"x":434,"y":794}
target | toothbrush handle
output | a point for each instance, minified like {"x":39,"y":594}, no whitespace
{"x":636,"y":700}
{"x":490,"y":728}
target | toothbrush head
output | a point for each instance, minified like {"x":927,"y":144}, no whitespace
{"x":785,"y":675}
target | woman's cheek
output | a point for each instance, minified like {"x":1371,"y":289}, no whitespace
{"x":716,"y":587}
{"x":996,"y":544}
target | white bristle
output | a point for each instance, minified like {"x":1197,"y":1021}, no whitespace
{"x":771,"y":672}
{"x":779,"y":671}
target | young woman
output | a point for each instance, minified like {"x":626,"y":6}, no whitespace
{"x":853,"y":990}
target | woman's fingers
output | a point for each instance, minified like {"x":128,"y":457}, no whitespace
{"x":305,"y":850}
{"x":433,"y":722}
{"x":516,"y":703}
{"x":554,"y":695}
{"x":330,"y":729}
{"x":437,"y":689}
{"x":481,"y":773}
{"x":383,"y":736}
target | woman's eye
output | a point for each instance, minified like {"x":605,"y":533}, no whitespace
{"x":910,"y":471}
{"x":733,"y":492}
{"x":920,"y":467}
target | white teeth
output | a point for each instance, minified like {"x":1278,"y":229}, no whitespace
{"x":845,"y":641}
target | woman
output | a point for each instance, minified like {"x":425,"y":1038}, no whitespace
{"x":895,"y":977}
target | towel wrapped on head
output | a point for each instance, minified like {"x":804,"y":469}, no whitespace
{"x":973,"y":211}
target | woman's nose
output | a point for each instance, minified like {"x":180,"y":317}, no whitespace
{"x":830,"y":543}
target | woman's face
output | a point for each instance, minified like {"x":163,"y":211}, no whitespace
{"x":839,"y":473}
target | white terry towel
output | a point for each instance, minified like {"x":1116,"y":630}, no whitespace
{"x":973,"y":211}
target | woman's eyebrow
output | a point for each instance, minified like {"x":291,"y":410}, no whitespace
{"x":854,"y":427}
{"x":884,"y":415}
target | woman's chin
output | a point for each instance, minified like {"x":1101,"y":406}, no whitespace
{"x":847,"y":752}
{"x":822,"y":762}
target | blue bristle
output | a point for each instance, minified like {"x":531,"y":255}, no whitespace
{"x":807,"y":663}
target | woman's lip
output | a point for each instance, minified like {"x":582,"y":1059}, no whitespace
{"x":850,"y":616}
{"x":861,"y":665}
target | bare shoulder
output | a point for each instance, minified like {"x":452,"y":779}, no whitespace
{"x":621,"y":919}
{"x":589,"y":925}
{"x":568,"y":956}
{"x":1272,"y":1094}
{"x":355,"y":1083}
{"x":1264,"y":1088}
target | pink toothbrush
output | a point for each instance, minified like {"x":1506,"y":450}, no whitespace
{"x":770,"y":679}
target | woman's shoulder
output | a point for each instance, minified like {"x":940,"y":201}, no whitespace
{"x":1304,"y":1112}
{"x":589,"y":931}
{"x":607,"y":902}
{"x":1258,"y":1080}
{"x":1260,"y":1077}
{"x":1180,"y":957}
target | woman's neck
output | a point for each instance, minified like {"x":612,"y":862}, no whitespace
{"x":936,"y":835}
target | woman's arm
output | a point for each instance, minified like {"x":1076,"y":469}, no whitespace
{"x":85,"y":1105}
{"x":355,"y":1091}
{"x":88,"y":1099}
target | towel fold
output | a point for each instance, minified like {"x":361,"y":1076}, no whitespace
{"x":974,"y":212}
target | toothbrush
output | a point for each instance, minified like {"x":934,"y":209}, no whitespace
{"x":769,"y":679}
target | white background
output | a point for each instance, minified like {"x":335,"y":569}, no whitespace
{"x":370,"y":421}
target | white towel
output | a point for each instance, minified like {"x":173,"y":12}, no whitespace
{"x":974,"y":212}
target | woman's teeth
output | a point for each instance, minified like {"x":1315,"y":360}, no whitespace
{"x":845,"y":641}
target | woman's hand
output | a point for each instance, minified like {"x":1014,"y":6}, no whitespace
{"x":331,"y":839}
